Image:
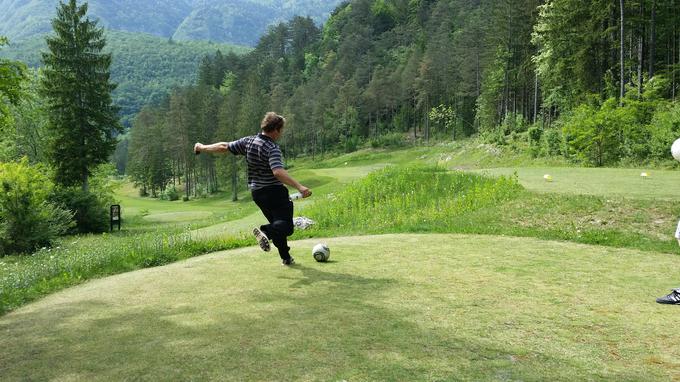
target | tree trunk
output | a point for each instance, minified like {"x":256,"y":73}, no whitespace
{"x":622,"y":79}
{"x":613,"y":36}
{"x":86,"y":181}
{"x":412,"y":109}
{"x":186,"y":181}
{"x":477,"y":75}
{"x":427,"y":119}
{"x":506,"y":93}
{"x":652,"y":40}
{"x":674,"y":51}
{"x":535,"y":95}
{"x":234,"y":179}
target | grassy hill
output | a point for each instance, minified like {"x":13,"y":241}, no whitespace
{"x":145,"y":67}
{"x":436,"y":273}
{"x":390,"y":307}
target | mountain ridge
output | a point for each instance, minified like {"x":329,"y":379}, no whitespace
{"x":140,"y":65}
{"x":239,"y":22}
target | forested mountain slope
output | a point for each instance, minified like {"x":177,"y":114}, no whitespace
{"x":145,"y":67}
{"x":234,"y":21}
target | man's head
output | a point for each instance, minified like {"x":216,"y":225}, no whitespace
{"x":272,"y":124}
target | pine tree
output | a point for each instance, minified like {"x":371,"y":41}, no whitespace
{"x":77,"y":84}
{"x":12,"y":75}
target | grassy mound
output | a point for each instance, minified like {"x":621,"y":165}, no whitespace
{"x":410,"y":199}
{"x":387,"y":308}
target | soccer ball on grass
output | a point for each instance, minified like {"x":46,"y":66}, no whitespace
{"x":675,"y":150}
{"x":321,"y":252}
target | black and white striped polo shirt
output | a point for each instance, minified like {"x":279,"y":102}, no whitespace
{"x":263,"y":156}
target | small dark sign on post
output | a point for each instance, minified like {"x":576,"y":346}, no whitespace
{"x":115,"y":216}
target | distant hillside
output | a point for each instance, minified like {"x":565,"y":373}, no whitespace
{"x":239,"y":22}
{"x":235,"y":20}
{"x":145,"y":67}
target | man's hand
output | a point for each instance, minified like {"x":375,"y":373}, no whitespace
{"x":285,"y":178}
{"x":306,"y":192}
{"x":197,"y":148}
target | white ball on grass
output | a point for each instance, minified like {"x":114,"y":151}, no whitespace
{"x":321,"y":252}
{"x":675,"y":150}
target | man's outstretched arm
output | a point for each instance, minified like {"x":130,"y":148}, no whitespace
{"x":219,"y":147}
{"x":285,"y":178}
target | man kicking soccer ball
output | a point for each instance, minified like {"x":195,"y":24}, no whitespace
{"x":266,"y":177}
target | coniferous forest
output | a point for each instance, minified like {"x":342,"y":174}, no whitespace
{"x":595,"y":82}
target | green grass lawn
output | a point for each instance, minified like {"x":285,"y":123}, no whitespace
{"x":514,"y":295}
{"x":394,"y":307}
{"x":156,"y":210}
{"x":659,"y":184}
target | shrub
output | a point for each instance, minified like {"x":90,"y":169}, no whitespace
{"x":604,"y":133}
{"x":535,"y":133}
{"x":350,"y":143}
{"x":89,"y":212}
{"x":170,"y":193}
{"x":553,"y":142}
{"x":90,"y":208}
{"x":388,"y":140}
{"x":513,"y":123}
{"x":494,"y":136}
{"x":27,"y":219}
{"x":594,"y":133}
{"x":665,"y":129}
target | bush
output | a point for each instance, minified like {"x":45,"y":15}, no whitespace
{"x":90,"y":213}
{"x":494,"y":136}
{"x":665,"y":129}
{"x":27,"y":219}
{"x":553,"y":142}
{"x":605,"y":133}
{"x":388,"y":140}
{"x":513,"y":123}
{"x":535,"y":133}
{"x":594,"y":135}
{"x":170,"y":193}
{"x":350,"y":144}
{"x":90,"y":208}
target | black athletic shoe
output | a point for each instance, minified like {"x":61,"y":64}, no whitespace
{"x":288,"y":262}
{"x":673,"y":298}
{"x":262,"y":239}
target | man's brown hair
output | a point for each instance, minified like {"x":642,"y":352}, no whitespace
{"x":271,"y":122}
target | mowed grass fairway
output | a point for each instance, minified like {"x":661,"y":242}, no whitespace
{"x":659,"y":184}
{"x":503,"y":291}
{"x":392,"y":307}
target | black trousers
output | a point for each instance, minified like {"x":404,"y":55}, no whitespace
{"x":278,"y":209}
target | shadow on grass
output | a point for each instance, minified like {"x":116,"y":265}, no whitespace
{"x":311,"y":325}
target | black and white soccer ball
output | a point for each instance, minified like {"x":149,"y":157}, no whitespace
{"x":321,"y":252}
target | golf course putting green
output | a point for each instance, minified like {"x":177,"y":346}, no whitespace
{"x":390,"y":307}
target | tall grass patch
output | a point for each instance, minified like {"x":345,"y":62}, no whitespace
{"x":413,"y":198}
